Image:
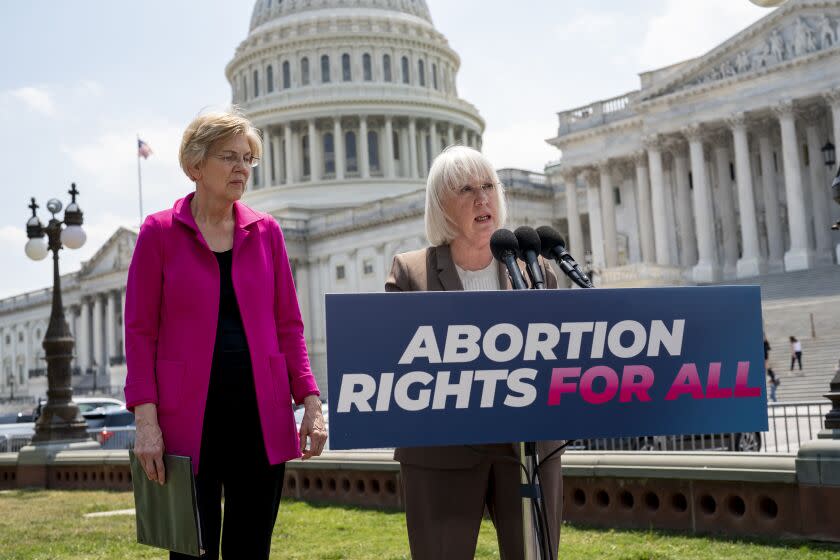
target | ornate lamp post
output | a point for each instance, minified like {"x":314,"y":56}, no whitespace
{"x":60,"y":419}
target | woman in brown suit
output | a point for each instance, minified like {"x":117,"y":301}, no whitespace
{"x":447,"y":488}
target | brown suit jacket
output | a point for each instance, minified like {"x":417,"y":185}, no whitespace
{"x":432,"y":269}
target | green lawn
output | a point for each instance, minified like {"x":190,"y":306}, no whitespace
{"x":49,"y":525}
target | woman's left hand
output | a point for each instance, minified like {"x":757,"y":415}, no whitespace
{"x":312,"y":425}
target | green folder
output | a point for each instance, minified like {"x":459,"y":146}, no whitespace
{"x":167,"y":515}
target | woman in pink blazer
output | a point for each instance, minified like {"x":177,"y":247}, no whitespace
{"x":214,"y":343}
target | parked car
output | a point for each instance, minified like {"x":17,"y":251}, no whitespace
{"x":15,"y":435}
{"x":113,"y":428}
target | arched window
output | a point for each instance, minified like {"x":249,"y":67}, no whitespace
{"x":396,"y":145}
{"x":367,"y":71}
{"x":421,"y":73}
{"x":350,"y":148}
{"x":325,"y":69}
{"x":346,"y":74}
{"x":434,"y":76}
{"x":269,"y":79}
{"x":287,"y":75}
{"x":256,"y":83}
{"x":305,"y":150}
{"x":304,"y":71}
{"x":329,"y":154}
{"x":386,"y":67}
{"x":406,"y":79}
{"x":373,"y":150}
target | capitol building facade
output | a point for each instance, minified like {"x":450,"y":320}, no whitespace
{"x":713,"y":169}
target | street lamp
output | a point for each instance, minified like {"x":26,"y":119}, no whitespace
{"x":60,"y":419}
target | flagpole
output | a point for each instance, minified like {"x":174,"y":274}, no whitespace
{"x":139,"y":180}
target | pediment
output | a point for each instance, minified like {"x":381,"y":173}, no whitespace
{"x":795,"y":33}
{"x":114,"y":255}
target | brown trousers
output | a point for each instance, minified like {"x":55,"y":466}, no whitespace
{"x":444,"y":507}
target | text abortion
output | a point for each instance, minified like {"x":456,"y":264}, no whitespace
{"x":504,"y":343}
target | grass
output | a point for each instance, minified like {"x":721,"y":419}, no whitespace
{"x":36,"y":525}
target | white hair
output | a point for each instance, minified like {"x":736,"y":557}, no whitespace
{"x":455,"y":167}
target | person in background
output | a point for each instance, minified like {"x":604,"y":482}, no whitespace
{"x":770,"y":373}
{"x":795,"y":353}
{"x":214,"y":344}
{"x":447,"y":488}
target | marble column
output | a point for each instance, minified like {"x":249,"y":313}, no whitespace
{"x":265,"y":162}
{"x":302,"y":287}
{"x":751,"y":262}
{"x":772,"y":208}
{"x":820,"y":199}
{"x":575,"y":240}
{"x":412,"y":148}
{"x":110,"y":325}
{"x":338,"y":149}
{"x":83,"y":338}
{"x":833,"y":99}
{"x":729,"y":226}
{"x":657,"y":201}
{"x":450,"y":135}
{"x":315,"y":164}
{"x":424,"y":153}
{"x":434,"y":141}
{"x":122,"y":308}
{"x":707,"y":268}
{"x":364,"y":156}
{"x":463,"y":140}
{"x":388,"y":145}
{"x":277,"y":149}
{"x":291,"y":169}
{"x":608,"y":214}
{"x":685,"y":215}
{"x":596,"y":232}
{"x":98,"y":346}
{"x":644,"y":209}
{"x":800,"y":256}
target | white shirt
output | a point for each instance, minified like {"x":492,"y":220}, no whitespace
{"x":480,"y":280}
{"x":797,"y":346}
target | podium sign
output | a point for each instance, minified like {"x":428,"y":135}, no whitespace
{"x":445,"y":368}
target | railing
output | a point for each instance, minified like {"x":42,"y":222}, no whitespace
{"x":790,"y":425}
{"x":598,"y":113}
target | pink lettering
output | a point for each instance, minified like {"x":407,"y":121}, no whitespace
{"x":687,"y":382}
{"x":713,"y":390}
{"x":630,"y":386}
{"x":741,"y":378}
{"x":558,"y":384}
{"x":586,"y":382}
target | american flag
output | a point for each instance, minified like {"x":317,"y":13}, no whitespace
{"x":143,"y":149}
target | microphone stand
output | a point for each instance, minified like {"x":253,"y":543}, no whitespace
{"x":535,"y":523}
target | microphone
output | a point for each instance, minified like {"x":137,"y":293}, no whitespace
{"x":503,"y":245}
{"x":554,"y":247}
{"x":529,"y":248}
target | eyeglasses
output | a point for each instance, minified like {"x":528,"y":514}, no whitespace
{"x":232,"y":158}
{"x":469,"y":190}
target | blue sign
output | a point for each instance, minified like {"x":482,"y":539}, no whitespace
{"x":445,"y":368}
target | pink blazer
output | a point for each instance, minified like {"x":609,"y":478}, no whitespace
{"x":171,"y":311}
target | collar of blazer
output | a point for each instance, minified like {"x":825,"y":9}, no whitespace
{"x":243,"y":216}
{"x":448,"y":274}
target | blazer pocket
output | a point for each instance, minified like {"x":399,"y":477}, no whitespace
{"x":170,"y":375}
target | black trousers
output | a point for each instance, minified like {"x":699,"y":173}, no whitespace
{"x":233,"y":460}
{"x":796,"y":357}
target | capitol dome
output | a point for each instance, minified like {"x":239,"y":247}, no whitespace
{"x":355,"y":98}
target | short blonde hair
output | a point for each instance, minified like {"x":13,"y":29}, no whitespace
{"x":208,"y":128}
{"x":455,"y":167}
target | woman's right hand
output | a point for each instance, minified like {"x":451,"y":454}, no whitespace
{"x":148,"y":442}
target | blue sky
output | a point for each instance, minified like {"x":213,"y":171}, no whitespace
{"x":82,"y":78}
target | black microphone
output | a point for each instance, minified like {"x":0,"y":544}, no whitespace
{"x":554,"y":247}
{"x":503,"y":245}
{"x":529,"y":249}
